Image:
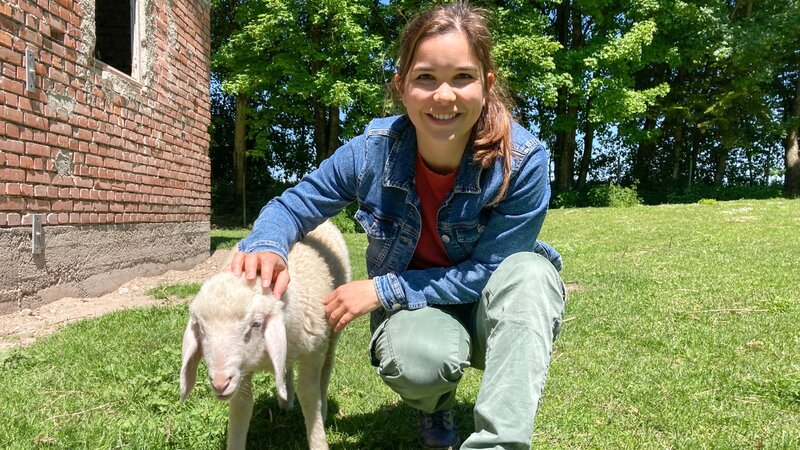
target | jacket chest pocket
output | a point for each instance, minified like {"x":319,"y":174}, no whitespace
{"x":467,"y":236}
{"x":381,"y":234}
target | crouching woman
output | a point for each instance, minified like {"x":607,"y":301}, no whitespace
{"x":452,"y":196}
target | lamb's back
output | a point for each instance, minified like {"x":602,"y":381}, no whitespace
{"x":317,"y":266}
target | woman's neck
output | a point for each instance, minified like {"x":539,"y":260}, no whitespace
{"x":441,"y":157}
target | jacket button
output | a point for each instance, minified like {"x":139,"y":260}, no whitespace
{"x":396,"y":307}
{"x":445,"y":239}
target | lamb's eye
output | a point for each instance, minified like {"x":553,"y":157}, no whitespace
{"x":256,"y":324}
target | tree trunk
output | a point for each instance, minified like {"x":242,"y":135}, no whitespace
{"x":696,"y":135}
{"x":586,"y":158}
{"x":333,"y":130}
{"x":677,"y":151}
{"x":792,"y":154}
{"x":722,"y":163}
{"x":645,"y":153}
{"x":568,"y":153}
{"x":564,"y":151}
{"x":320,"y":131}
{"x":239,"y":145}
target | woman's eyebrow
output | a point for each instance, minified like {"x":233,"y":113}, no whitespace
{"x":458,"y":69}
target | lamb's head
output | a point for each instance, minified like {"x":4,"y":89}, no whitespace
{"x":237,"y":329}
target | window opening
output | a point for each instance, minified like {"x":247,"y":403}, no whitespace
{"x":116,"y":34}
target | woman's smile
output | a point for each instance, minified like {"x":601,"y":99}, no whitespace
{"x":444,"y":119}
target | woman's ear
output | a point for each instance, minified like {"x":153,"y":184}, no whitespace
{"x":489,"y":81}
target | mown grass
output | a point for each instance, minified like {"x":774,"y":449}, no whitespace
{"x":166,"y":291}
{"x":681,"y":332}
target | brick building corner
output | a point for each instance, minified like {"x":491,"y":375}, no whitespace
{"x":104,"y":115}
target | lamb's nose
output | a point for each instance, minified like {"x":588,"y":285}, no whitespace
{"x":220,"y":383}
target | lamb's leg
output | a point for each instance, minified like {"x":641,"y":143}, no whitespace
{"x":308,"y":392}
{"x":289,"y":379}
{"x":325,"y":375}
{"x":241,"y":410}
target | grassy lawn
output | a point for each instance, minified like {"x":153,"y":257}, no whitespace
{"x":681,"y":332}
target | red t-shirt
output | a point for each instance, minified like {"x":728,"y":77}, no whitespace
{"x":432,"y":188}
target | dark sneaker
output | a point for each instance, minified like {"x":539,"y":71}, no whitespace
{"x":438,"y":430}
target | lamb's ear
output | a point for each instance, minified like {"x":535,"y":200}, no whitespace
{"x":190,"y":358}
{"x":275,"y":340}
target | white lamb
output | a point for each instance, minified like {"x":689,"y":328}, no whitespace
{"x":239,"y":329}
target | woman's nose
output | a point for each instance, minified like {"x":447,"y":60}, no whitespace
{"x":444,"y":94}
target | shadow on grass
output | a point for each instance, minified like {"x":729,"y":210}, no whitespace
{"x":223,"y":242}
{"x":388,"y":427}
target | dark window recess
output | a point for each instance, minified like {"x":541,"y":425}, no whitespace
{"x":113,"y":30}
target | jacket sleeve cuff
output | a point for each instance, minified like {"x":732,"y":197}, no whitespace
{"x":391,"y":293}
{"x":262,"y":246}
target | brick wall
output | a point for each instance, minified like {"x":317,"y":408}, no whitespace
{"x":99,"y":151}
{"x":91,"y":145}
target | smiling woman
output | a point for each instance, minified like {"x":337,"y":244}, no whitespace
{"x":452,"y":196}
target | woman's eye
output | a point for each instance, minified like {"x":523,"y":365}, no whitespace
{"x":425,"y":76}
{"x":464,"y":76}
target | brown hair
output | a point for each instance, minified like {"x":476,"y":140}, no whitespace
{"x":492,"y":131}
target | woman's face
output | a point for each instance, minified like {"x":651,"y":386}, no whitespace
{"x":444,"y":93}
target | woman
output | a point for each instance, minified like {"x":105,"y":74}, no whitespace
{"x":452,"y":196}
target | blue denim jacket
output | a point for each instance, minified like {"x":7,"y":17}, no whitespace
{"x":376,"y":169}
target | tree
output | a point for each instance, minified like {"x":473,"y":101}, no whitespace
{"x":301,"y":64}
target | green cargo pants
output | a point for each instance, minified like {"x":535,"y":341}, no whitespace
{"x":421,"y":354}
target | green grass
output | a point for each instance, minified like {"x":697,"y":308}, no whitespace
{"x":166,"y":291}
{"x":681,"y":332}
{"x":226,"y":238}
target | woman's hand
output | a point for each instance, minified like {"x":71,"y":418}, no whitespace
{"x":267,"y":264}
{"x":350,"y":301}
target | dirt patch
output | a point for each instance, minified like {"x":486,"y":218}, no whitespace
{"x":24,"y":327}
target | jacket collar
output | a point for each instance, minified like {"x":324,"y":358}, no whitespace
{"x":398,"y":171}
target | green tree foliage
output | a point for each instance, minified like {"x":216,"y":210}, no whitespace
{"x":663,"y":94}
{"x":302,"y":65}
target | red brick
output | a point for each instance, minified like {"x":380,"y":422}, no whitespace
{"x":61,"y":128}
{"x":33,"y":120}
{"x":11,"y":203}
{"x":40,"y":191}
{"x":12,"y":189}
{"x":12,"y":131}
{"x":13,"y":175}
{"x":10,"y":159}
{"x":10,"y":56}
{"x":37,"y":205}
{"x":26,"y":162}
{"x":12,"y":114}
{"x":82,"y":134}
{"x":13,"y":219}
{"x":12,"y":100}
{"x":12,"y":86}
{"x":37,"y":149}
{"x":38,"y":177}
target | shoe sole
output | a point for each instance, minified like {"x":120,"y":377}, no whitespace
{"x":451,"y":447}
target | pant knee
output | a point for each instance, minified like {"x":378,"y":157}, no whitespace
{"x":525,"y":268}
{"x":421,"y":367}
{"x":525,"y":286}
